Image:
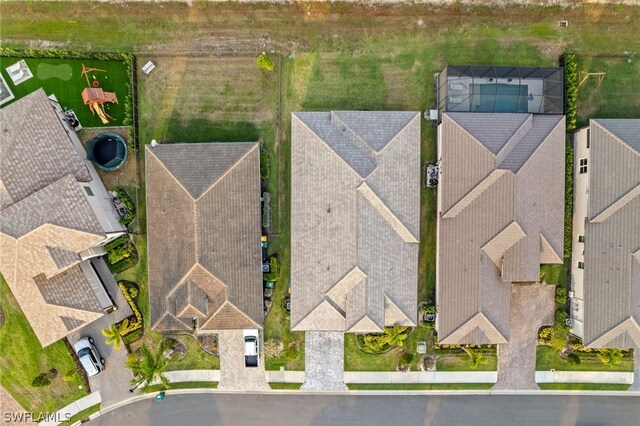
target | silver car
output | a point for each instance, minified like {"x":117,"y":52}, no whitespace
{"x":88,"y":356}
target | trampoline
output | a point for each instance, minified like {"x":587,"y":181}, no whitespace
{"x":108,"y":151}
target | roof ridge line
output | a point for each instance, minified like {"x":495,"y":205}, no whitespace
{"x":331,"y":149}
{"x":515,"y":139}
{"x":233,"y":166}
{"x":387,"y":214}
{"x":476,"y":140}
{"x":417,"y":116}
{"x":617,"y":205}
{"x":352,"y":133}
{"x":613,"y":135}
{"x":241,"y":311}
{"x":486,"y":183}
{"x":168,"y":171}
{"x":546,"y":138}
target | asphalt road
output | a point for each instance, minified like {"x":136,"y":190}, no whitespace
{"x":395,"y":410}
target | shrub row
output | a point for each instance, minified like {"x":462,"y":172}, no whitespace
{"x":265,"y":165}
{"x":568,"y":201}
{"x":117,"y":242}
{"x":571,"y":89}
{"x":127,"y":58}
{"x":274,"y":273}
{"x":128,"y":204}
{"x":133,"y":325}
{"x":266,"y":210}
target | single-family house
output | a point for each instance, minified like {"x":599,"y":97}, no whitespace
{"x":204,"y":236}
{"x":355,"y":210}
{"x":605,"y":268}
{"x":500,"y":215}
{"x":55,"y":218}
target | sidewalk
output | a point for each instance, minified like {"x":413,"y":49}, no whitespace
{"x":618,"y":378}
{"x":75,"y":407}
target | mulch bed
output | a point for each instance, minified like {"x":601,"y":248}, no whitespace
{"x":209,"y":343}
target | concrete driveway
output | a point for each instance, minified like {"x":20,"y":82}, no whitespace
{"x":113,"y":382}
{"x":324,"y":361}
{"x":233,"y":373}
{"x":532,"y":306}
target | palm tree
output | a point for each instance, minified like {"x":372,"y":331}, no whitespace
{"x":149,"y":367}
{"x":114,"y":334}
{"x":610,"y":356}
{"x":396,"y":335}
{"x":474,"y":357}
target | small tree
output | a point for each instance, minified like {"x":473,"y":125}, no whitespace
{"x":41,"y":380}
{"x":264,"y":62}
{"x":474,"y":357}
{"x":114,"y":333}
{"x":150,"y":366}
{"x":610,"y":356}
{"x":573,"y":358}
{"x":561,"y":295}
{"x":396,"y":335}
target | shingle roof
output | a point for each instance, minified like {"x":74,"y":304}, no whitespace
{"x":36,"y":151}
{"x":501,"y":212}
{"x":203,"y":203}
{"x":45,"y":220}
{"x":354,"y":220}
{"x":612,"y":236}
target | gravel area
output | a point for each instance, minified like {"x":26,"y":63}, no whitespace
{"x":324,"y":361}
{"x":532,"y":306}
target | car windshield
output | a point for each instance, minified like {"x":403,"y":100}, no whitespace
{"x":83,"y":352}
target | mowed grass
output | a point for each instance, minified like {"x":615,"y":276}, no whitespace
{"x":616,"y":96}
{"x":583,"y":386}
{"x":547,"y":358}
{"x":419,"y":386}
{"x":52,"y":75}
{"x":462,"y":363}
{"x":22,"y":358}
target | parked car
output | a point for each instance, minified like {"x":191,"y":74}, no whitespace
{"x":251,"y":347}
{"x":89,"y":357}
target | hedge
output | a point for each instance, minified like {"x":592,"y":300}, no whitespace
{"x":264,"y":165}
{"x":568,"y":201}
{"x":127,"y":58}
{"x":128,"y":204}
{"x":266,"y":210}
{"x":571,"y":89}
{"x":133,"y":325}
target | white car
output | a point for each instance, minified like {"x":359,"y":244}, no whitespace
{"x":251,"y":347}
{"x":88,"y":356}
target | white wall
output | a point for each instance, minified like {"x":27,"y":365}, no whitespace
{"x":580,"y":202}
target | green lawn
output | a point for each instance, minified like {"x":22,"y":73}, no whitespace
{"x":556,"y":274}
{"x":547,"y":358}
{"x":181,"y":385}
{"x":421,"y":386}
{"x":462,"y":363}
{"x":22,"y":358}
{"x":84,"y":414}
{"x":62,"y":78}
{"x":583,"y":386}
{"x":286,"y":386}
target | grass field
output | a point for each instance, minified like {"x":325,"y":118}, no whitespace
{"x":181,"y":385}
{"x":22,"y":358}
{"x":420,"y":386}
{"x":583,"y":386}
{"x":62,"y":78}
{"x":462,"y":363}
{"x":547,"y":358}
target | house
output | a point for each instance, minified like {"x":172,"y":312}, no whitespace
{"x":500,"y":215}
{"x":489,"y":89}
{"x":204,"y":236}
{"x":355,"y":220}
{"x":605,"y":269}
{"x":55,"y":218}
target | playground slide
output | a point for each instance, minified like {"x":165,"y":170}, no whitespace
{"x":96,"y":107}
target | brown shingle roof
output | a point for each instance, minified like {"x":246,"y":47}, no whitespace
{"x":501,"y":211}
{"x":611,"y":283}
{"x":355,"y":219}
{"x":203,"y":204}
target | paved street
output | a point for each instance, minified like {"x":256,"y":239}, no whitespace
{"x":296,"y":409}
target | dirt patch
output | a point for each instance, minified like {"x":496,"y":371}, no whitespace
{"x":209,"y":343}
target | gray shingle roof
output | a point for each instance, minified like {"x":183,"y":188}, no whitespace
{"x":203,"y":203}
{"x":355,"y":219}
{"x":612,"y":236}
{"x":45,"y":219}
{"x":501,"y":198}
{"x":35,"y":149}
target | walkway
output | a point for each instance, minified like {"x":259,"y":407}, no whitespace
{"x":636,"y":374}
{"x":532,"y":306}
{"x":234,"y":375}
{"x":324,"y":361}
{"x":11,"y":410}
{"x":76,"y":407}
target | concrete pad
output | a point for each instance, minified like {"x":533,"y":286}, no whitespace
{"x":532,"y":306}
{"x":636,"y":372}
{"x":324,"y":361}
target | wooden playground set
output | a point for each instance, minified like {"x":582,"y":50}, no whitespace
{"x":94,"y":97}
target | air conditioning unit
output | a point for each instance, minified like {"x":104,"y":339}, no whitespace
{"x":571,"y":294}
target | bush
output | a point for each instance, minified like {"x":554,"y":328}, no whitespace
{"x":406,"y":359}
{"x":571,"y":89}
{"x":264,"y":165}
{"x":568,"y":201}
{"x":561,"y":295}
{"x":561,"y":320}
{"x":274,"y":273}
{"x":573,"y":358}
{"x":42,"y":380}
{"x":69,"y":375}
{"x":292,"y":351}
{"x":265,"y":63}
{"x":266,"y":210}
{"x":136,"y":323}
{"x":545,"y":335}
{"x":132,"y":288}
{"x":117,"y":242}
{"x":128,"y":204}
{"x":120,"y":253}
{"x":273,"y":348}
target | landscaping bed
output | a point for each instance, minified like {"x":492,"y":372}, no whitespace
{"x":121,"y":254}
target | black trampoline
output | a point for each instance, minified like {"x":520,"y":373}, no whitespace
{"x":107,"y":151}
